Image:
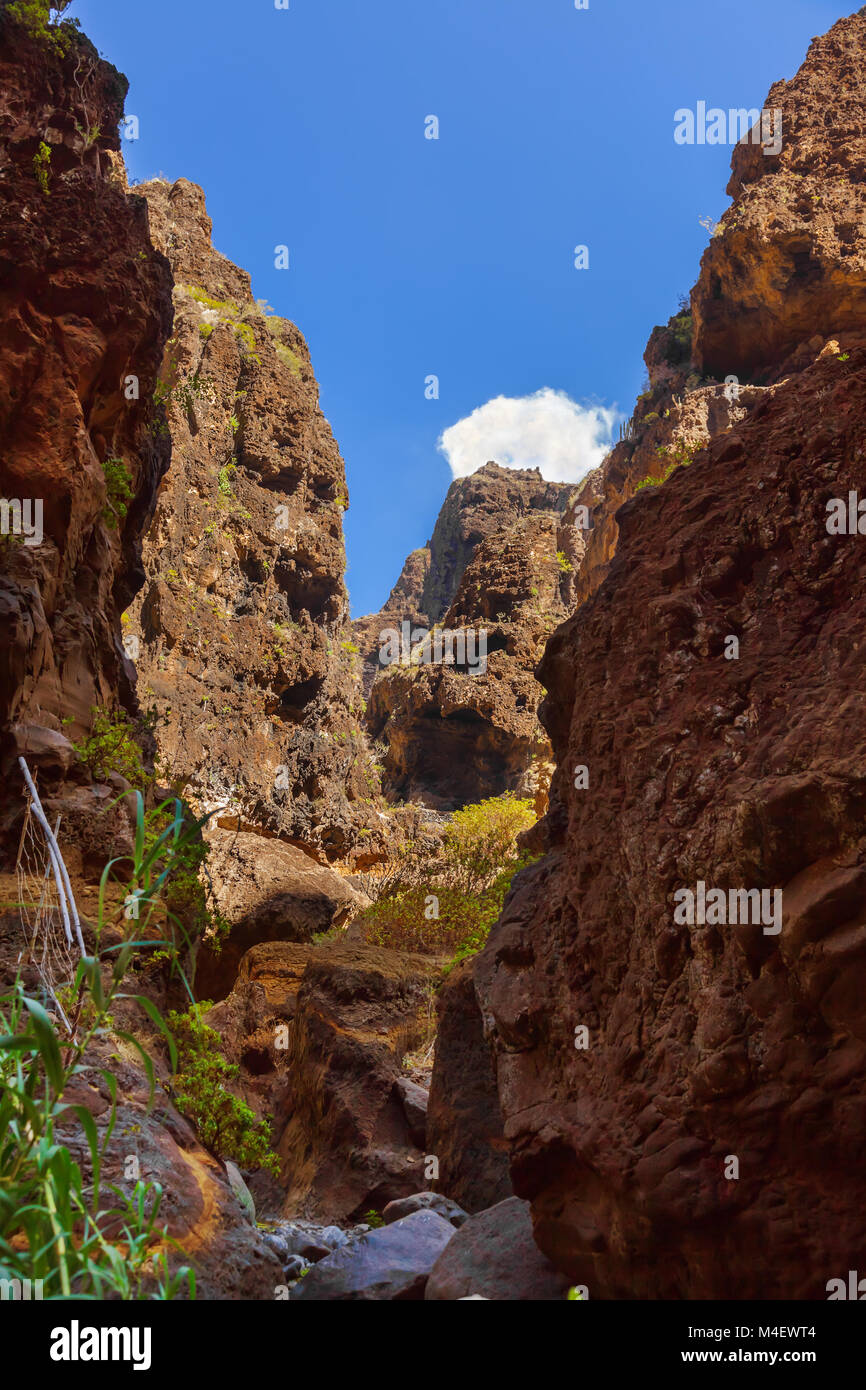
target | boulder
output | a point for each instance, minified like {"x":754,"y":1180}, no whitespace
{"x":241,"y":1191}
{"x":319,"y":1033}
{"x":413,"y":1098}
{"x":425,"y":1201}
{"x":269,"y":891}
{"x":494,"y":1252}
{"x":389,"y":1264}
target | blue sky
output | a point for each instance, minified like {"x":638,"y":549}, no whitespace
{"x":412,"y":257}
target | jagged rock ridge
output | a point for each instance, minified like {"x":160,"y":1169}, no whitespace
{"x":242,"y":629}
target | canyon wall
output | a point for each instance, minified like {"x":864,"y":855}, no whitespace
{"x":241,"y":629}
{"x":85,"y":309}
{"x":677,"y":1095}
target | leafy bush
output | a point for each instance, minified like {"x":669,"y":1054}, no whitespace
{"x":481,"y":839}
{"x":42,"y":166}
{"x":563,"y":561}
{"x":225,"y":1124}
{"x":448,"y":907}
{"x":225,"y":479}
{"x":679,"y":329}
{"x":111,"y":747}
{"x":683,"y":458}
{"x":36,"y":17}
{"x":118,"y":482}
{"x":59,"y":1223}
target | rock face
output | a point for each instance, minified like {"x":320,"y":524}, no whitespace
{"x":464,"y":1118}
{"x":676,"y":417}
{"x":242,"y":631}
{"x":269,"y":892}
{"x":494,"y":1256}
{"x":789,"y":270}
{"x":716,"y":1098}
{"x":340,"y":1121}
{"x":85,"y":310}
{"x":459,"y":729}
{"x":475,"y":509}
{"x":403,"y":606}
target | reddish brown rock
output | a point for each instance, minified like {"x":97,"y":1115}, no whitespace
{"x":457,"y":733}
{"x":704,"y":1042}
{"x":351,"y":1013}
{"x":269,"y":891}
{"x":242,"y":630}
{"x":403,"y":606}
{"x":709,"y":1140}
{"x":84,"y":307}
{"x":464,"y":1118}
{"x":790,"y":261}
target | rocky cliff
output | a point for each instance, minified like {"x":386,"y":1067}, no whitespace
{"x":85,"y":310}
{"x":497,"y":572}
{"x":85,"y":313}
{"x":679,"y":1094}
{"x":241,"y":629}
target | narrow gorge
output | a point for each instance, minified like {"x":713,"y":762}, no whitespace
{"x":431,"y":954}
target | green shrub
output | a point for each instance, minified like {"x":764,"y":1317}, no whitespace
{"x":448,"y":906}
{"x":118,"y":483}
{"x":683,"y":458}
{"x":400,"y":921}
{"x":36,"y":17}
{"x":111,"y":746}
{"x":226,"y":1125}
{"x":42,"y":166}
{"x":481,"y":839}
{"x":679,"y":328}
{"x":59,"y":1222}
{"x":226,"y":478}
{"x":291,"y":359}
{"x":563,"y":561}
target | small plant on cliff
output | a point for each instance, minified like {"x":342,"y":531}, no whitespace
{"x":226,"y":478}
{"x":111,"y":747}
{"x":682,"y":458}
{"x":118,"y":484}
{"x":563,"y":561}
{"x":226,"y":1125}
{"x":291,"y":359}
{"x":42,"y":166}
{"x":679,"y":336}
{"x":42,"y":20}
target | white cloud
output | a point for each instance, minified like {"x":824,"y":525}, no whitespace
{"x":547,"y":430}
